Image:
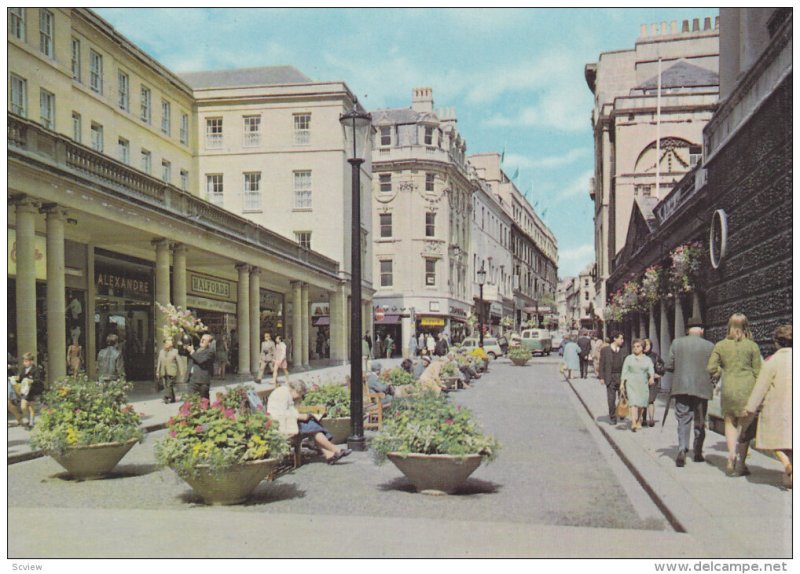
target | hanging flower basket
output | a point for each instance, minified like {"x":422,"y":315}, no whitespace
{"x":628,"y":297}
{"x":685,"y":267}
{"x":651,"y":285}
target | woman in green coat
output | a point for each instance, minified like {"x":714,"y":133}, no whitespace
{"x":738,"y":360}
{"x":637,"y":376}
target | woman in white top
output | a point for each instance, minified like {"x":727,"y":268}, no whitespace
{"x":280,"y":360}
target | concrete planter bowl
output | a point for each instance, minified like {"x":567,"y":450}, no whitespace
{"x":231,"y":485}
{"x":519,"y":362}
{"x":93,"y":461}
{"x":450,"y":383}
{"x":436,"y":473}
{"x":339,"y":428}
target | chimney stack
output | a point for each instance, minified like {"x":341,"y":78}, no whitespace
{"x":696,"y":25}
{"x":707,"y":24}
{"x":673,"y":27}
{"x":685,"y":27}
{"x":422,"y":100}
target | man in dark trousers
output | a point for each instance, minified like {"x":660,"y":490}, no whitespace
{"x":201,"y":366}
{"x":585,"y":345}
{"x":691,"y":387}
{"x":611,"y":359}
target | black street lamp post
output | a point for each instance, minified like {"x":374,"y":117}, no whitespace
{"x":481,"y":281}
{"x":357,"y":125}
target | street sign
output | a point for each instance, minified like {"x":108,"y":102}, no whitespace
{"x":379,"y":314}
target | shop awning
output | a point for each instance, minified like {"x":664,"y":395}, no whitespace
{"x":321,"y":321}
{"x":389,"y":320}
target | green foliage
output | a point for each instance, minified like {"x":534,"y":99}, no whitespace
{"x":398,"y":377}
{"x":335,"y":398}
{"x":427,"y":423}
{"x":80,"y":412}
{"x":220,"y":435}
{"x":479,"y":353}
{"x":519,"y":353}
{"x":449,"y":369}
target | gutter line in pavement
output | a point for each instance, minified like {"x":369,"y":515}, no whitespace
{"x":673,"y":521}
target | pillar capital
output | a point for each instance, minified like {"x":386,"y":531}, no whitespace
{"x":53,"y":211}
{"x":159,"y":242}
{"x":179,"y":248}
{"x":23,"y":202}
{"x":254,"y":271}
{"x":242,"y":267}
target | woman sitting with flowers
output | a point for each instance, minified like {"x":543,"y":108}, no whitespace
{"x":282,"y":407}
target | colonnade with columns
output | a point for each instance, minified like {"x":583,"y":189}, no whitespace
{"x":169,"y":257}
{"x":643,"y":324}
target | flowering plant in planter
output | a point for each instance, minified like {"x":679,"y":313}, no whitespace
{"x":179,"y":322}
{"x":449,"y":369}
{"x":685,"y":266}
{"x":335,"y":399}
{"x":220,"y":435}
{"x":479,"y":353}
{"x":427,"y":423}
{"x":507,"y":322}
{"x":651,"y":285}
{"x":81,"y":412}
{"x":519,"y":354}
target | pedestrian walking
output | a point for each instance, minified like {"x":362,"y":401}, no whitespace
{"x":442,"y":348}
{"x":737,"y":360}
{"x":221,"y":356}
{"x":280,"y":360}
{"x":412,"y":346}
{"x":31,"y":387}
{"x":611,"y":359}
{"x":421,"y":342}
{"x":772,"y":395}
{"x":74,"y":358}
{"x":597,"y":346}
{"x":430,"y":344}
{"x":572,"y":357}
{"x":110,"y":362}
{"x":266,"y":358}
{"x":649,"y":415}
{"x":585,"y":344}
{"x":201,"y":366}
{"x":167,"y":369}
{"x":691,"y":387}
{"x":637,"y":376}
{"x":389,"y":344}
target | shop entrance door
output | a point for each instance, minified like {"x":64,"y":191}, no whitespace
{"x":130,"y":320}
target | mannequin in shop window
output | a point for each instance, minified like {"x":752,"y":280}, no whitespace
{"x":74,"y":357}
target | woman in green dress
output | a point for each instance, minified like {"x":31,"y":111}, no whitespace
{"x":737,"y":360}
{"x":637,"y":376}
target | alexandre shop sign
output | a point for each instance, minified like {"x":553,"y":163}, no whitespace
{"x":109,"y":281}
{"x":211,"y":287}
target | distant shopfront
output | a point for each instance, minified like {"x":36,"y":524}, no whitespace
{"x":124,"y":306}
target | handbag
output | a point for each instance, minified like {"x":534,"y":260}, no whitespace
{"x":25,"y":386}
{"x":622,"y":406}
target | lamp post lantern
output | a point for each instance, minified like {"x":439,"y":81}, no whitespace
{"x":481,"y":281}
{"x":357,"y":124}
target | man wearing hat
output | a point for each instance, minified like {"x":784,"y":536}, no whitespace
{"x":691,"y":387}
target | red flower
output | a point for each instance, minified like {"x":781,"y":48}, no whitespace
{"x":448,"y":422}
{"x":268,"y":424}
{"x":198,"y":429}
{"x":185,"y":408}
{"x":204,"y":404}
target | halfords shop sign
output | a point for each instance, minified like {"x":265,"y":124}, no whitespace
{"x":210,"y":287}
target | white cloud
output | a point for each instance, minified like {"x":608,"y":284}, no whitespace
{"x":577,"y":187}
{"x":548,"y":162}
{"x":572,"y":261}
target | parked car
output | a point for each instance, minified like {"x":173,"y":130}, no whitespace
{"x":556,"y":340}
{"x":537,"y":341}
{"x":492,"y":345}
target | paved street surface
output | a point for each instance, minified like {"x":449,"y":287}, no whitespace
{"x":566,"y":484}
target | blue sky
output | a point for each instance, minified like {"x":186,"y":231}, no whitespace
{"x":514,"y":76}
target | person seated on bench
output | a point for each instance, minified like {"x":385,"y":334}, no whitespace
{"x":375,"y":385}
{"x":282,"y":407}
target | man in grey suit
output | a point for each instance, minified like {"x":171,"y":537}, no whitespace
{"x":691,"y":387}
{"x":201,"y":366}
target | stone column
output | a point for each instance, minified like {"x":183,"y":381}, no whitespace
{"x":56,"y":292}
{"x":26,"y":278}
{"x":643,"y":326}
{"x":162,"y":287}
{"x":680,"y":326}
{"x":243,"y":317}
{"x":255,"y":317}
{"x":306,"y":328}
{"x":652,"y":334}
{"x":405,"y":336}
{"x":666,"y":342}
{"x":337,"y":328}
{"x":179,"y":275}
{"x":91,"y":327}
{"x":297,"y":325}
{"x":696,"y":306}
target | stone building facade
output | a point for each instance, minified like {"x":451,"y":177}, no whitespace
{"x":105,"y":219}
{"x":737,"y":206}
{"x":422,"y":213}
{"x":638,"y":116}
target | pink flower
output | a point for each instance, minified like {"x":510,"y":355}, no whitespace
{"x":185,"y":408}
{"x":173,"y":434}
{"x":229,"y":414}
{"x":217,"y":404}
{"x":204,"y":404}
{"x":198,"y":429}
{"x":448,"y":422}
{"x":268,"y":424}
